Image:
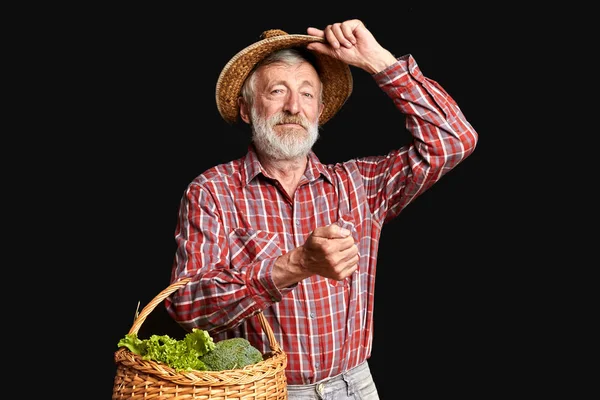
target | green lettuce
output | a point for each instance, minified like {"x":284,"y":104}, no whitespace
{"x":179,"y":354}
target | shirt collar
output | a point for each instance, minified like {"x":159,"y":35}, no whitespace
{"x":252,"y":167}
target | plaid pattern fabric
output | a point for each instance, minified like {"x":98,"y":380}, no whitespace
{"x":234,"y":222}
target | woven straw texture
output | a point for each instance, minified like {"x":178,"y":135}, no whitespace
{"x":335,"y":75}
{"x":146,"y":379}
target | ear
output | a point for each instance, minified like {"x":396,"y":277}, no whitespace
{"x":321,"y":108}
{"x":244,"y":110}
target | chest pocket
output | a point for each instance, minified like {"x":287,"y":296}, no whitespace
{"x":249,"y":245}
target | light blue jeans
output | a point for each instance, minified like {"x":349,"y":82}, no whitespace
{"x":355,"y":384}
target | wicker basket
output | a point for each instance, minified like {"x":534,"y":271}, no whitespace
{"x":147,"y":379}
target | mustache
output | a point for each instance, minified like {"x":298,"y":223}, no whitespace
{"x":284,"y":118}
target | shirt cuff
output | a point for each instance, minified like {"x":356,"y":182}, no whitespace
{"x":401,"y":73}
{"x":266,"y":292}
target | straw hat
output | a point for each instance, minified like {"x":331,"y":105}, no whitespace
{"x":335,"y":74}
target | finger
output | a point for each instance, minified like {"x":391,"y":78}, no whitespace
{"x":330,"y":36}
{"x":349,"y":253}
{"x":348,"y":268}
{"x":315,"y":32}
{"x":340,"y":32}
{"x":348,"y":32}
{"x":346,"y":244}
{"x":351,"y":264}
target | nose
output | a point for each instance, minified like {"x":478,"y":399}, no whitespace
{"x":292,"y":103}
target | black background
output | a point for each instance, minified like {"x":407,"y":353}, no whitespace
{"x":446,"y":313}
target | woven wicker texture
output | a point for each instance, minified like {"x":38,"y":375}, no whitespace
{"x":146,"y":379}
{"x":335,"y":75}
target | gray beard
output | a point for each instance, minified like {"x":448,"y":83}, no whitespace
{"x":287,"y":146}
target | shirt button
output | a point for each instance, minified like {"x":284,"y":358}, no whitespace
{"x":297,"y":222}
{"x":312,"y":314}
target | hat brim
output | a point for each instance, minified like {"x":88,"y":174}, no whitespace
{"x":335,"y":75}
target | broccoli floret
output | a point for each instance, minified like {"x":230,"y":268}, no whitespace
{"x":231,"y":354}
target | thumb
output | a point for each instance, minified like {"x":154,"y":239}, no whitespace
{"x":320,"y":47}
{"x":331,"y":232}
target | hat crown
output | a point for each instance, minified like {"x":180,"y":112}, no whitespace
{"x":272,"y":32}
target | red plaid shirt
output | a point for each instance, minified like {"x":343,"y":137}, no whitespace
{"x":234,"y":223}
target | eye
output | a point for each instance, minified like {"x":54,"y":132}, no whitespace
{"x":309,"y":95}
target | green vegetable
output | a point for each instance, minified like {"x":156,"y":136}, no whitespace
{"x":231,"y":354}
{"x":179,"y":354}
{"x":197,"y":351}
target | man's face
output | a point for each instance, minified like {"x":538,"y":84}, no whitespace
{"x":286,"y":110}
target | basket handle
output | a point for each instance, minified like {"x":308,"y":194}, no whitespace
{"x":137,"y":324}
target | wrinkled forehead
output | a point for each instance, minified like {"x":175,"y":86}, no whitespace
{"x":284,"y":71}
{"x":289,"y":56}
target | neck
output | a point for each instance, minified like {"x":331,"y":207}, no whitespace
{"x":287,"y":172}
